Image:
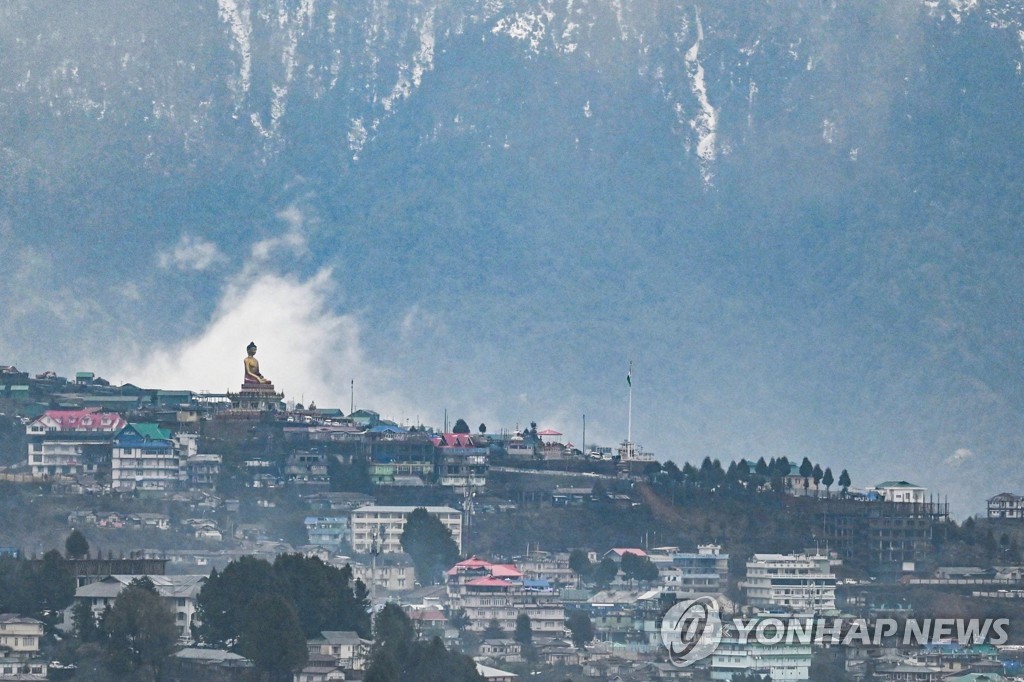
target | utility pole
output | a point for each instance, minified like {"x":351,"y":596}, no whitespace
{"x":584,"y":435}
{"x":378,"y":536}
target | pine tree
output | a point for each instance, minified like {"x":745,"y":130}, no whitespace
{"x":845,"y":482}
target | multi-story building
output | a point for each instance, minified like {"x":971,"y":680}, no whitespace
{"x":521,"y":446}
{"x":382,"y":526}
{"x":20,"y":634}
{"x":327,"y":531}
{"x":550,"y":566}
{"x":889,"y":538}
{"x":1006,"y":506}
{"x":790,"y":582}
{"x":499,"y":592}
{"x":703,"y":572}
{"x":179,"y":592}
{"x":69,"y":442}
{"x":145,"y":457}
{"x":787,"y":660}
{"x":202,"y":471}
{"x":392,"y":573}
{"x":397,"y":453}
{"x":345,"y":648}
{"x":461,"y":462}
{"x":901,"y":491}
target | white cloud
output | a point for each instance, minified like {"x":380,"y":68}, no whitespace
{"x":961,"y":456}
{"x":306,"y":349}
{"x":191,"y":253}
{"x":293,"y":240}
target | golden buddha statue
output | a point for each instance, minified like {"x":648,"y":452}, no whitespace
{"x":252,"y":367}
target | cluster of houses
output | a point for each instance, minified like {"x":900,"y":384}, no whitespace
{"x":627,"y":616}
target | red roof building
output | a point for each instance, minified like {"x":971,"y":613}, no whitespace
{"x":499,"y":592}
{"x":70,"y":442}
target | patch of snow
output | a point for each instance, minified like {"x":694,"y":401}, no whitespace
{"x":357,"y":136}
{"x":958,"y":8}
{"x":705,"y":123}
{"x":528,"y":26}
{"x":411,"y":76}
{"x":240,"y":25}
{"x":828,"y":131}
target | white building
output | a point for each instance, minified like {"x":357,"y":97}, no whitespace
{"x":383,"y":526}
{"x":69,"y":442}
{"x":790,"y":582}
{"x":787,"y":660}
{"x":179,"y":592}
{"x":145,"y":457}
{"x":703,"y":572}
{"x":1006,"y":506}
{"x":20,"y":634}
{"x":344,"y":647}
{"x":393,"y":572}
{"x":501,"y":592}
{"x":901,"y":491}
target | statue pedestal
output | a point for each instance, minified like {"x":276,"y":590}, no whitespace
{"x":256,"y":398}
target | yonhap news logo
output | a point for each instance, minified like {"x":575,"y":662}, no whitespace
{"x":692,"y":630}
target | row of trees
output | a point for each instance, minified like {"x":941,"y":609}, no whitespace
{"x":322,"y":597}
{"x":743,"y":475}
{"x":36,"y":588}
{"x":135,"y":635}
{"x":601,"y":574}
{"x":398,"y":656}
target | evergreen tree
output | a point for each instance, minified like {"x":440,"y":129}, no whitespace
{"x":493,"y":630}
{"x":460,"y":426}
{"x":828,"y":480}
{"x":605,"y":572}
{"x":76,"y":546}
{"x":85,"y":626}
{"x":398,"y":657}
{"x":54,"y":584}
{"x":323,"y":596}
{"x":459,"y":620}
{"x":845,"y":482}
{"x":817,"y":474}
{"x":580,"y":564}
{"x":524,"y":635}
{"x":393,"y":631}
{"x":272,"y":638}
{"x":581,"y":627}
{"x":640,"y":568}
{"x":524,"y":630}
{"x":141,"y":632}
{"x":806,"y":470}
{"x":430,"y":545}
{"x":221,"y":602}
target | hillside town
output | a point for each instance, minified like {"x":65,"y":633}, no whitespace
{"x":493,"y":555}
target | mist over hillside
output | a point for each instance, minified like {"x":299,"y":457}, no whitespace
{"x":800,"y":221}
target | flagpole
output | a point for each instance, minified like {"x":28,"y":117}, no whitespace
{"x":629,"y":419}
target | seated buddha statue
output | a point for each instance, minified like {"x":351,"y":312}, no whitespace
{"x":252,"y":367}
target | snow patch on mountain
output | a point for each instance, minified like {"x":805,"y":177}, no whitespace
{"x":240,"y":26}
{"x":531,"y":27}
{"x":410,"y":74}
{"x":705,"y":123}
